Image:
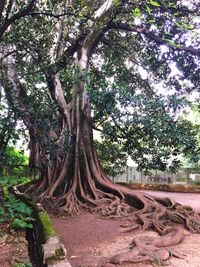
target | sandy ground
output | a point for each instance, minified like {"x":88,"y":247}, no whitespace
{"x":91,"y":241}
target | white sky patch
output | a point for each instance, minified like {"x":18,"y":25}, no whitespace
{"x":143,"y":73}
{"x":40,"y":85}
{"x":161,"y":90}
{"x":128,"y":63}
{"x":174,"y":70}
{"x":137,"y":21}
{"x":164,"y":49}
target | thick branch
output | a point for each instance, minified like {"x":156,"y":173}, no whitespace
{"x":57,"y":95}
{"x":22,"y":13}
{"x":87,"y":40}
{"x":103,"y":16}
{"x":16,"y":93}
{"x":67,"y":56}
{"x":158,"y":39}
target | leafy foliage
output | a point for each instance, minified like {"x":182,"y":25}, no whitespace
{"x":7,"y":126}
{"x":14,"y":161}
{"x":12,"y":180}
{"x":111,"y":157}
{"x":133,"y":57}
{"x":17,"y":213}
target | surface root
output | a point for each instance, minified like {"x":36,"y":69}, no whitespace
{"x":147,"y":248}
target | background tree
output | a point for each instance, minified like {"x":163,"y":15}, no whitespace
{"x":111,"y":156}
{"x":49,"y":72}
{"x":7,"y":127}
{"x":14,"y":162}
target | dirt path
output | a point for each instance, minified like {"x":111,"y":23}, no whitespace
{"x":90,"y":241}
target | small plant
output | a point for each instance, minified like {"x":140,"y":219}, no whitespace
{"x":19,"y":224}
{"x":157,"y":262}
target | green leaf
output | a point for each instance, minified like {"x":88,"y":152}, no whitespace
{"x":116,"y":2}
{"x":153,"y":3}
{"x":136,"y":12}
{"x":148,"y":9}
{"x":151,"y":21}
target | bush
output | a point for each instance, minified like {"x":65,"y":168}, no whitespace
{"x":17,"y":213}
{"x":13,"y":162}
{"x":12,"y":180}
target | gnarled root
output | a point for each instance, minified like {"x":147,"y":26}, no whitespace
{"x":148,"y":248}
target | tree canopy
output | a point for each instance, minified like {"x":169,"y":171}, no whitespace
{"x":132,"y":55}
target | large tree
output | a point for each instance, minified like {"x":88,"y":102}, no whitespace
{"x":56,"y":54}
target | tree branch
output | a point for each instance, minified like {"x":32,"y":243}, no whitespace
{"x":49,"y":14}
{"x":22,"y":13}
{"x":98,"y":27}
{"x":67,"y":55}
{"x":16,"y":93}
{"x":159,"y":40}
{"x":57,"y":95}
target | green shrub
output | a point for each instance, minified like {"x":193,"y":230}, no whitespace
{"x":13,"y":162}
{"x":195,"y":183}
{"x":17,"y":213}
{"x":19,"y":224}
{"x":12,"y":180}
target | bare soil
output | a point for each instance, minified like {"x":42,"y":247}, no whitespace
{"x":13,"y":247}
{"x":91,"y":241}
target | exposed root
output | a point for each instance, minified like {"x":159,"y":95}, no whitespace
{"x":142,"y":210}
{"x":85,"y":187}
{"x":148,"y":248}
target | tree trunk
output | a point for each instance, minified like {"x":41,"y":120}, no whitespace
{"x":74,"y":181}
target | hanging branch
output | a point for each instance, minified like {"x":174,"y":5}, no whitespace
{"x":156,"y":38}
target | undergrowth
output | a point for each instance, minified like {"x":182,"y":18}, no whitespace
{"x":14,"y":211}
{"x":18,"y":214}
{"x":12,"y":180}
